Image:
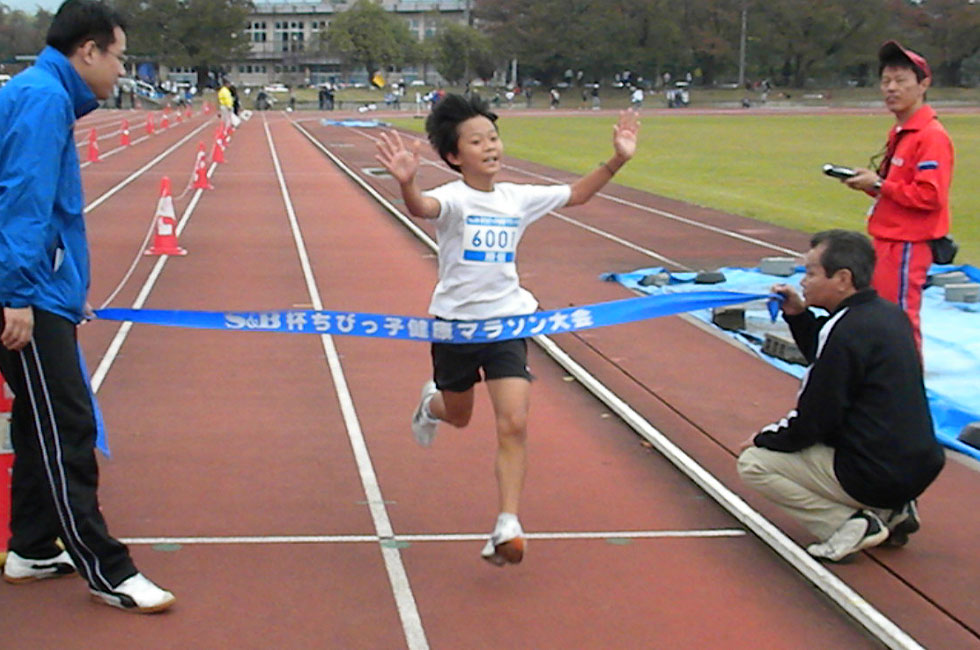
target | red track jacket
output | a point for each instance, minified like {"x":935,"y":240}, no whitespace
{"x":913,"y":204}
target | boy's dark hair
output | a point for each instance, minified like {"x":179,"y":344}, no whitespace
{"x":846,"y":249}
{"x":80,"y":21}
{"x":447,"y":115}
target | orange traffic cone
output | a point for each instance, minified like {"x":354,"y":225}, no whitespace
{"x":201,"y":181}
{"x":164,"y":121}
{"x":218,"y":151}
{"x":165,"y":237}
{"x":93,"y":147}
{"x":221,"y":134}
{"x":188,"y":113}
{"x":149,"y":124}
{"x":124,"y":134}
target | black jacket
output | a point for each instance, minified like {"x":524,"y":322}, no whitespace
{"x":863,"y":395}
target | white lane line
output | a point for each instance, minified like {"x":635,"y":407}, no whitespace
{"x":667,"y":215}
{"x":133,"y":143}
{"x":836,"y":589}
{"x":142,"y":170}
{"x":117,"y":341}
{"x":436,"y":537}
{"x":839,"y":591}
{"x":637,"y":206}
{"x":397,"y":576}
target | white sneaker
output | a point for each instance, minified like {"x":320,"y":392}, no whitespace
{"x":863,"y":530}
{"x":136,"y":594}
{"x":19,"y":570}
{"x":423,"y":424}
{"x":506,"y":543}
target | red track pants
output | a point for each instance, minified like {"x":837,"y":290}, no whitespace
{"x":900,"y":275}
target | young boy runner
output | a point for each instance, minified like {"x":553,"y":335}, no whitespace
{"x":479,"y":223}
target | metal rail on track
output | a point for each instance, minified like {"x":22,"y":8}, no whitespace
{"x":876,"y":623}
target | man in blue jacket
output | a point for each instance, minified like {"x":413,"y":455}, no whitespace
{"x":44,"y":278}
{"x":849,"y":461}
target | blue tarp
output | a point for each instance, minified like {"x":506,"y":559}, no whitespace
{"x":950,"y":339}
{"x":364,"y":124}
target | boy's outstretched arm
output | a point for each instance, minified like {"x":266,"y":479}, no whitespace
{"x":403,"y":164}
{"x":624,"y":144}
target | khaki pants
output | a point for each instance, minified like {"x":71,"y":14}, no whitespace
{"x":803,"y":484}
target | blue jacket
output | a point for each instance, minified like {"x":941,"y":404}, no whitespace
{"x":44,"y":260}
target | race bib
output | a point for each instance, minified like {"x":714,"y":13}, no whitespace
{"x":490,"y":239}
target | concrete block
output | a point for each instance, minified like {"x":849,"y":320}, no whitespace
{"x":966,"y":292}
{"x":729,"y":318}
{"x":655,"y":280}
{"x":970,"y":434}
{"x":781,"y":266}
{"x":783,"y":347}
{"x":709,"y":277}
{"x":953,"y":277}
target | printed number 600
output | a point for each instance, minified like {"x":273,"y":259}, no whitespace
{"x":491,"y":239}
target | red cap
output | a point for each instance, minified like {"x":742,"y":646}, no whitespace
{"x":891,"y":49}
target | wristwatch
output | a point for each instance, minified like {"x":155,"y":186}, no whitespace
{"x":878,"y":184}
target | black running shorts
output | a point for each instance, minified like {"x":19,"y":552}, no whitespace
{"x":456,"y":366}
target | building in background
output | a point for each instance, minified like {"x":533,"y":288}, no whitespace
{"x":286,"y":48}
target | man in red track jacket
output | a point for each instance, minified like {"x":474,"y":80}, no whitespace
{"x":911,"y":184}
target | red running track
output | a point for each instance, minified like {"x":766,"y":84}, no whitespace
{"x":243,"y":485}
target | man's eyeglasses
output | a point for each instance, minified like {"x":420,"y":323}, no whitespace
{"x":122,"y":58}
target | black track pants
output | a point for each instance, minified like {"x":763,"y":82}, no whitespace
{"x":55,"y":476}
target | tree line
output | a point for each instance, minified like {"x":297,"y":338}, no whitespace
{"x":789,"y":42}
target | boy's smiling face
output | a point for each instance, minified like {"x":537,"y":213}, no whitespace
{"x":479,"y":149}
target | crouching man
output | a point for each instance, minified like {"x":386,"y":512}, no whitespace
{"x":849,"y":461}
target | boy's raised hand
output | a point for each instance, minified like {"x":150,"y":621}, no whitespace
{"x":625,"y":133}
{"x":401,"y":162}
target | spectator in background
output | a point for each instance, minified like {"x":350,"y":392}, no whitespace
{"x":226,"y":103}
{"x":636,"y":98}
{"x":236,"y":104}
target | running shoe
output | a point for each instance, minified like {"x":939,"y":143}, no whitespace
{"x":20,"y":570}
{"x":423,"y":424}
{"x":506,"y":544}
{"x":863,"y":530}
{"x":902,"y":523}
{"x":136,"y":594}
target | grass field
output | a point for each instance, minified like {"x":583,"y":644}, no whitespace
{"x":762,"y":166}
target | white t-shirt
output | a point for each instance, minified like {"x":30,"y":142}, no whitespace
{"x":478,"y":233}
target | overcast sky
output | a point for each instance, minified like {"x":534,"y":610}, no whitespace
{"x":30,"y":6}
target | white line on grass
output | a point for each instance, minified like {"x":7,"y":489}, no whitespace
{"x":397,"y":576}
{"x":840,"y":592}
